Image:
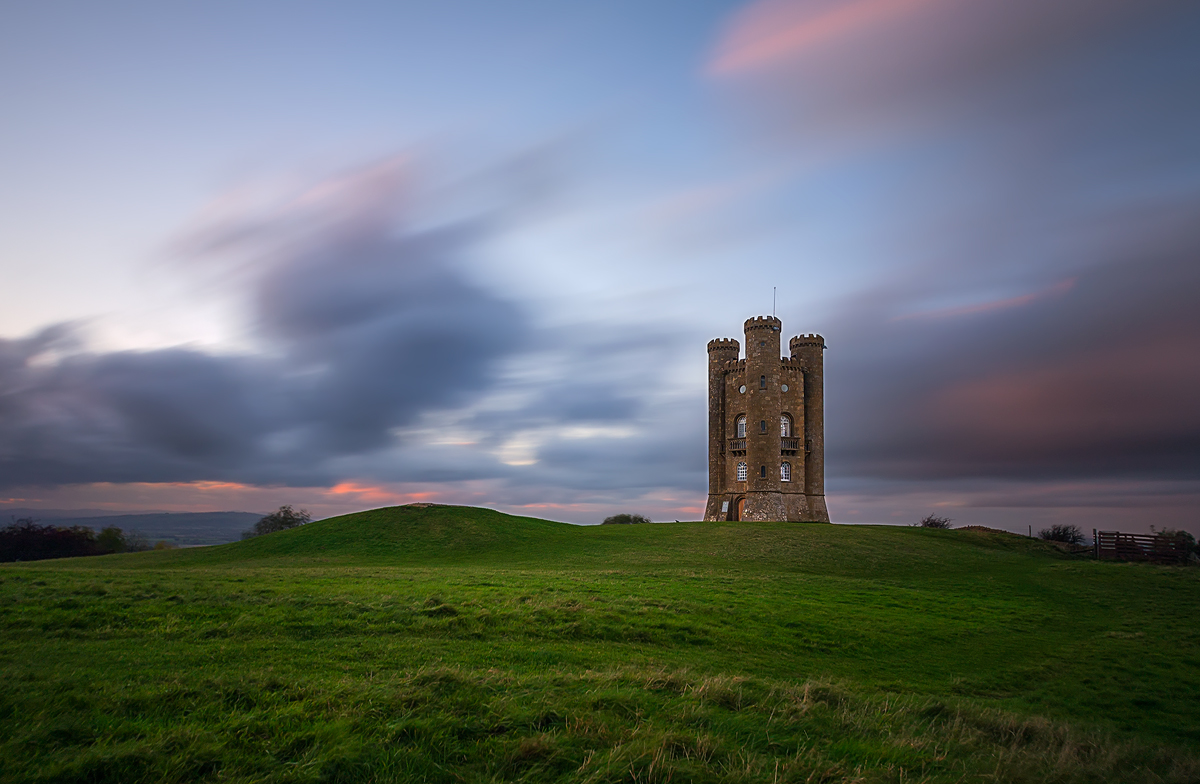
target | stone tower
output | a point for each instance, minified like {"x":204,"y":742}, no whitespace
{"x":766,"y":427}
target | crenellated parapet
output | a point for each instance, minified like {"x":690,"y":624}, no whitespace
{"x":769,"y":323}
{"x":723,"y":345}
{"x":802,"y":341}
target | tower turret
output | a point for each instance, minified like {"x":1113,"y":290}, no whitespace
{"x":762,"y":407}
{"x":721,"y":353}
{"x":809,"y":350}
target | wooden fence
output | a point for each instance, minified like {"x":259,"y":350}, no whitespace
{"x":1117,"y":546}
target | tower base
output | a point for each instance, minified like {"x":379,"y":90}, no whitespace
{"x":766,"y":506}
{"x":817,"y":511}
{"x":762,"y":506}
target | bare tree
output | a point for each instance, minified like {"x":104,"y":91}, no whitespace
{"x":281,"y":519}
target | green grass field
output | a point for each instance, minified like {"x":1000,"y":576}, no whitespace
{"x":459,"y":644}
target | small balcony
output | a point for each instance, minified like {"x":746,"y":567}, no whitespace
{"x":737,"y":445}
{"x":789,"y":444}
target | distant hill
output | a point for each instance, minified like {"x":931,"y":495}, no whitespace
{"x":182,"y":528}
{"x":46,"y":515}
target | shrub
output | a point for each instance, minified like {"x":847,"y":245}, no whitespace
{"x":136,"y":542}
{"x":1061,"y":532}
{"x":625,"y":519}
{"x":281,"y":519}
{"x":933,"y":521}
{"x":111,"y":540}
{"x":1189,"y":541}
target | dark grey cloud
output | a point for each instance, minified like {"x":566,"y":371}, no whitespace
{"x":376,"y":357}
{"x":361,"y":331}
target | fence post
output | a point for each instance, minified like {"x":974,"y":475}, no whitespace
{"x":1095,"y":544}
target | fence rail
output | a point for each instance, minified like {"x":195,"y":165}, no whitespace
{"x":1117,"y":546}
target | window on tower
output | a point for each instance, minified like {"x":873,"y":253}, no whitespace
{"x":741,"y":426}
{"x":741,"y":475}
{"x":762,"y":382}
{"x":785,"y":426}
{"x":762,"y":471}
{"x":762,"y":426}
{"x":785,"y":472}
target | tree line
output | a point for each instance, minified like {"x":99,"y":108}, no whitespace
{"x":26,"y":540}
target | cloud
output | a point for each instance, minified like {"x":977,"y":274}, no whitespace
{"x":374,"y":366}
{"x":1098,"y":380}
{"x":830,"y":76}
{"x":361,"y":329}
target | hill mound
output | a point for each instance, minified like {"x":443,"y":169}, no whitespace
{"x":399,"y":533}
{"x":432,"y":535}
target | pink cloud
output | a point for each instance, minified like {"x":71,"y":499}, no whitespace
{"x":772,"y":31}
{"x":851,"y":72}
{"x":1094,"y":401}
{"x":994,"y":306}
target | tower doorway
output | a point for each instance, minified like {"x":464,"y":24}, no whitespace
{"x":740,"y":509}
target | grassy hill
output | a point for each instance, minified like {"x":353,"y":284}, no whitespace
{"x":452,"y":643}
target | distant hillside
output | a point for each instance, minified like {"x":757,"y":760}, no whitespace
{"x":183,"y":528}
{"x":7,"y":513}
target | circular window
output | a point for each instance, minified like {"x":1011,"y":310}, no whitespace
{"x":784,"y":387}
{"x":742,"y":389}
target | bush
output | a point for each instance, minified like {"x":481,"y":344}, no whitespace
{"x":625,"y":519}
{"x":933,"y":521}
{"x":136,"y":542}
{"x":283,"y":518}
{"x":111,"y":540}
{"x":1189,"y":541}
{"x":1061,"y":532}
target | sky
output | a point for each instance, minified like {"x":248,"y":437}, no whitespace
{"x":354,"y":254}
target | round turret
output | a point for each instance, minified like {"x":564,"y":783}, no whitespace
{"x":763,"y":322}
{"x":805,"y":341}
{"x":726,"y":348}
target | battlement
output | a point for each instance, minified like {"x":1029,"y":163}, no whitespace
{"x":763,"y":322}
{"x":806,"y":340}
{"x":724,"y":344}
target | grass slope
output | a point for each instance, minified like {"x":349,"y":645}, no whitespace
{"x":452,"y":644}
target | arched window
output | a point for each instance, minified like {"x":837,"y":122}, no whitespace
{"x":741,"y":472}
{"x":785,"y":472}
{"x":762,"y":382}
{"x":741,"y":426}
{"x":762,"y":426}
{"x":785,"y":426}
{"x":762,"y":471}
